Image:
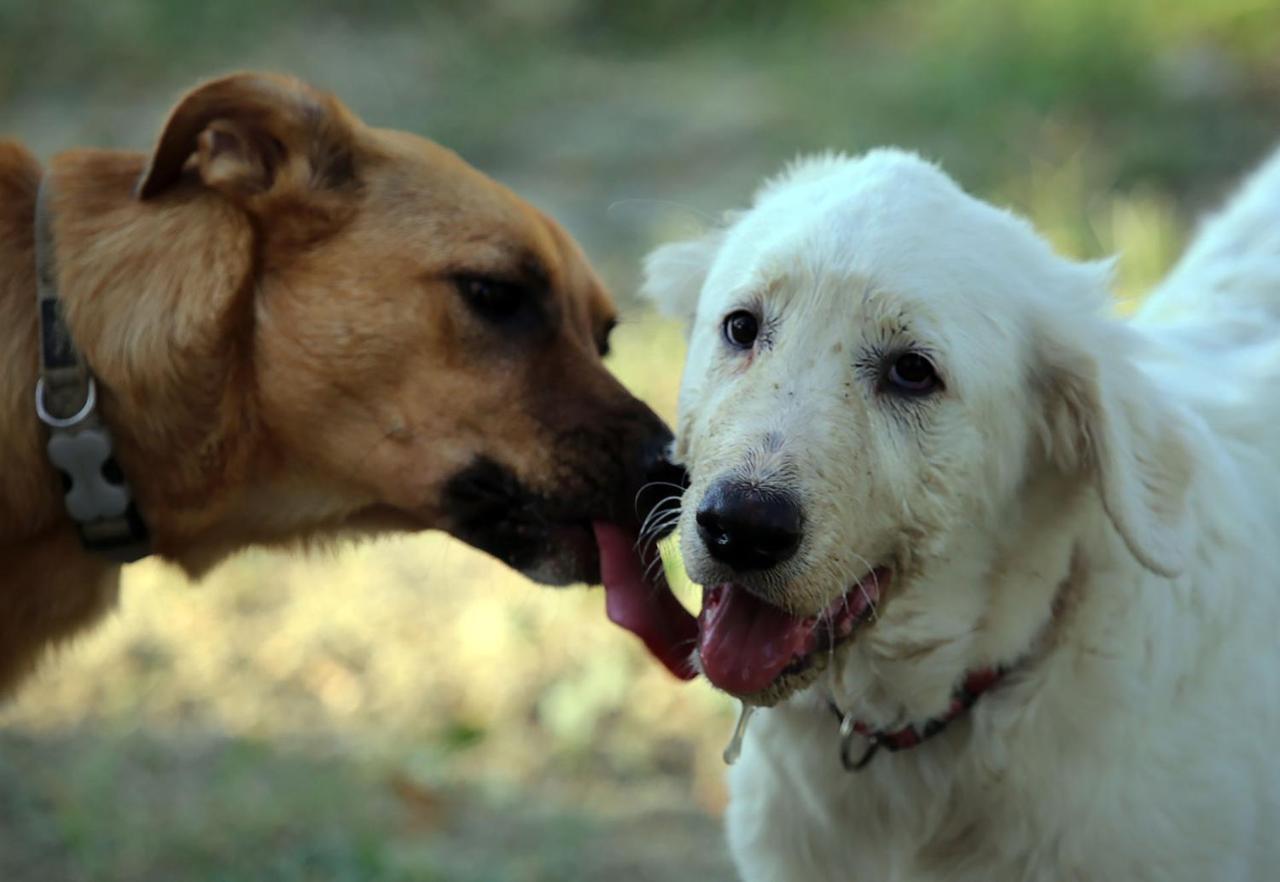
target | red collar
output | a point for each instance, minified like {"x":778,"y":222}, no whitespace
{"x":970,"y":690}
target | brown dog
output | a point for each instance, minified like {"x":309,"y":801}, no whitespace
{"x":302,"y":327}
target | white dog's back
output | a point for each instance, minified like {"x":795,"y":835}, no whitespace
{"x":1216,"y":322}
{"x":1229,"y":278}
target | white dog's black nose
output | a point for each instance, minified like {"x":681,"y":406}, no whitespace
{"x":748,"y":528}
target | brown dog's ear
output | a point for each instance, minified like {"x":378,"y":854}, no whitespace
{"x":254,"y":135}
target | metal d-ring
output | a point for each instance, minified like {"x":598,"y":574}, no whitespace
{"x":847,"y":734}
{"x":90,"y":402}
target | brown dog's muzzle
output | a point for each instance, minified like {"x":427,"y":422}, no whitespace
{"x":615,"y":492}
{"x":616,"y":471}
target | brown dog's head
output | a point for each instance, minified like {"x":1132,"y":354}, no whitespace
{"x":387,"y":337}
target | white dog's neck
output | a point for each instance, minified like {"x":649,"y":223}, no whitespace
{"x":981,"y":606}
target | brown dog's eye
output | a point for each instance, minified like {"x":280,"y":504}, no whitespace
{"x":741,"y":329}
{"x":912,"y":374}
{"x":603,"y":344}
{"x":492,"y":299}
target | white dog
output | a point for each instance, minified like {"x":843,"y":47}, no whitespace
{"x":1015,"y":559}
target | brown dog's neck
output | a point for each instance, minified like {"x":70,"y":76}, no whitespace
{"x":29,"y":501}
{"x":158,"y":298}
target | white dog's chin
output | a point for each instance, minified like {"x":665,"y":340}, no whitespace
{"x":762,"y":654}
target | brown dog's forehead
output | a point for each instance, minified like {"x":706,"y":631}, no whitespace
{"x":461,"y":221}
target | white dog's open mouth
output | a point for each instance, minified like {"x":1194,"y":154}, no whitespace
{"x":749,"y":646}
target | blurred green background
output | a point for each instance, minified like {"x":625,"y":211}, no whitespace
{"x":408,"y":710}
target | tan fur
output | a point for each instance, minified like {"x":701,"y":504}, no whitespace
{"x":280,"y":342}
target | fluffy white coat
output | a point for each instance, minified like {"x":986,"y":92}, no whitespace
{"x":1093,"y":502}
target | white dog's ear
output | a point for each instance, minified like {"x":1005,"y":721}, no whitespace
{"x":674,"y":274}
{"x":1106,"y":420}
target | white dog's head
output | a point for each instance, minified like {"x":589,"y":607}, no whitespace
{"x":885,"y":376}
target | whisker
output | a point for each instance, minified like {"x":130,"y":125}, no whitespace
{"x":617,"y":204}
{"x":831,"y":647}
{"x":692,"y":643}
{"x":653,"y":568}
{"x":665,"y":506}
{"x":645,"y":487}
{"x":661,"y":504}
{"x":660,"y":519}
{"x":835,"y":673}
{"x":657,"y":519}
{"x":656,"y":531}
{"x":659,"y":531}
{"x":635,"y":503}
{"x":875,"y":580}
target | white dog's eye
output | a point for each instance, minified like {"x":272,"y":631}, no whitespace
{"x":912,"y":374}
{"x":741,"y":329}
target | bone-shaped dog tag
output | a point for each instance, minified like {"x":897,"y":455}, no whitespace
{"x":80,"y":457}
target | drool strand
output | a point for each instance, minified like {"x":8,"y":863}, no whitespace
{"x":734,"y":746}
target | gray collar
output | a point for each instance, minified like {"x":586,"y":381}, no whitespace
{"x":97,"y":497}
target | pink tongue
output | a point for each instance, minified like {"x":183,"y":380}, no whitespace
{"x":746,"y":643}
{"x":646,"y":608}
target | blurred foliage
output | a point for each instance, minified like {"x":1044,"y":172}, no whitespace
{"x":408,"y":709}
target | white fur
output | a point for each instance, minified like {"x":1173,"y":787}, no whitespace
{"x":1095,"y":503}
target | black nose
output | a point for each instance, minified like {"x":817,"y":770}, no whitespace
{"x":749,"y":528}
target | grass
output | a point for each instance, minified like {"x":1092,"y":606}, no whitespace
{"x":408,"y":709}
